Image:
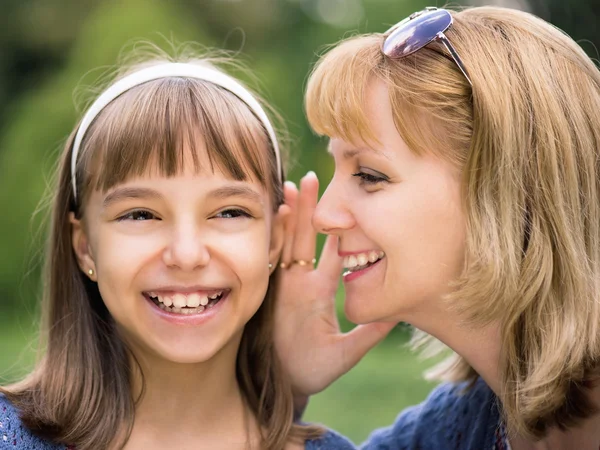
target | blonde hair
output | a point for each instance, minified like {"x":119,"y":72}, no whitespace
{"x":527,"y":138}
{"x":80,"y":392}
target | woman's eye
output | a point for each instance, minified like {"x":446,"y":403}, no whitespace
{"x":137,"y":215}
{"x":233,"y":213}
{"x":368,"y":179}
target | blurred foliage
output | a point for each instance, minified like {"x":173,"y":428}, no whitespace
{"x":51,"y":48}
{"x":578,"y":18}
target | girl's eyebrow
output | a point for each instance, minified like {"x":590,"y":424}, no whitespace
{"x":236,"y":191}
{"x":223,"y":192}
{"x":129,"y":193}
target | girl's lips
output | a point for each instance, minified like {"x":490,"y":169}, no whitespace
{"x":171,"y":290}
{"x":188,"y":319}
{"x":350,"y":276}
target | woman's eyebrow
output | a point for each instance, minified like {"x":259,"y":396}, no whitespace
{"x":236,"y":191}
{"x":126,"y":193}
{"x":350,"y":153}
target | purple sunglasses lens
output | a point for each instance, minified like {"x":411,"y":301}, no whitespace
{"x":412,"y":35}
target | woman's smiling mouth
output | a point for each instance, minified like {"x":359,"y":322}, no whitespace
{"x":356,"y":264}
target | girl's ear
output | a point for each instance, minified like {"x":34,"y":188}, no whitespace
{"x":81,"y":247}
{"x":278,"y":234}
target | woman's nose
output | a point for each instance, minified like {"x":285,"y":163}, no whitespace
{"x":332,"y":215}
{"x":186,"y":249}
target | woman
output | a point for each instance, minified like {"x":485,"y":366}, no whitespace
{"x":466,"y":202}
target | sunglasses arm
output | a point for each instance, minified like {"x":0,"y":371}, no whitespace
{"x":442,"y":37}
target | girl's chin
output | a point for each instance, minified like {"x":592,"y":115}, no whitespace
{"x":167,"y":351}
{"x":184,"y":357}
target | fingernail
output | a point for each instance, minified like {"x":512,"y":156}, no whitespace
{"x":290,"y":184}
{"x":310,"y":173}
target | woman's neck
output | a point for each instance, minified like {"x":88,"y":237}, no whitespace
{"x":192,"y":405}
{"x":480,"y":347}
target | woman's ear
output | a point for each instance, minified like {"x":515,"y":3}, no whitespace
{"x":278,"y":234}
{"x":81,"y":247}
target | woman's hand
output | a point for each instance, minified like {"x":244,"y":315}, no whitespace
{"x":308,"y":339}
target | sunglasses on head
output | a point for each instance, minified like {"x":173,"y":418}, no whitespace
{"x":418,"y":30}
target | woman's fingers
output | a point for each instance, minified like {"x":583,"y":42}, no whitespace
{"x":305,"y":239}
{"x":290,"y":192}
{"x":330,"y":263}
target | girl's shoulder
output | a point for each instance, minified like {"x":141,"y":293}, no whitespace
{"x":330,"y":440}
{"x":454,"y":417}
{"x":14,"y":435}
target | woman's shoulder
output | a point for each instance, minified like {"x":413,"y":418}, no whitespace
{"x":454,"y":416}
{"x":330,"y":440}
{"x":14,"y":435}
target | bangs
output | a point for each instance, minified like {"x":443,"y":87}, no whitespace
{"x":335,"y":97}
{"x":152,"y":126}
{"x":426,"y":93}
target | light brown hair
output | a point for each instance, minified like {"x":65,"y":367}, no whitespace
{"x":80,"y":392}
{"x":526,"y":136}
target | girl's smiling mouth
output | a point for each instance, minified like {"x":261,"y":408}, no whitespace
{"x":188,"y":302}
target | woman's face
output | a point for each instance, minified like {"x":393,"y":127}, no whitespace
{"x":182,"y":263}
{"x":398,"y":209}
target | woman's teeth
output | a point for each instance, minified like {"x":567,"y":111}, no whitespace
{"x":361,"y":261}
{"x":193,"y":303}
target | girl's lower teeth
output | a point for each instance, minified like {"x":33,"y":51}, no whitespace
{"x":186,"y":310}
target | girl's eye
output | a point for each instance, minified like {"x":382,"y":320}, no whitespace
{"x":368,"y":179}
{"x":233,"y":213}
{"x":137,"y":215}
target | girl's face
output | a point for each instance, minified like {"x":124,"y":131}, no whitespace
{"x":182,"y":263}
{"x":398,"y":210}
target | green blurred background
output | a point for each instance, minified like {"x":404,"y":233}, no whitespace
{"x":50,"y":50}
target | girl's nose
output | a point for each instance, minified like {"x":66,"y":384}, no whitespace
{"x":186,"y":250}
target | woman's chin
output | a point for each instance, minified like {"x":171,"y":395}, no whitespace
{"x":360,"y":312}
{"x":363,"y":310}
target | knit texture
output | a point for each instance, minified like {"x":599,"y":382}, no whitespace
{"x":451,"y":418}
{"x":14,"y":435}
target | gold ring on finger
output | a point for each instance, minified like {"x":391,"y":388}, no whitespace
{"x":303,"y":262}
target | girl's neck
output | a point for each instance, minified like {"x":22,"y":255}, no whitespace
{"x":184,"y":405}
{"x":480,"y":347}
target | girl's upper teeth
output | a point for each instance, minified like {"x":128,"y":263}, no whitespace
{"x":191,"y":300}
{"x":361,"y":259}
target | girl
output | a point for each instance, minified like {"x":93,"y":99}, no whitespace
{"x":167,"y":225}
{"x":466,"y":202}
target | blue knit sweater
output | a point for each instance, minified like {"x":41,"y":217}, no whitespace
{"x":14,"y":436}
{"x":449,"y":419}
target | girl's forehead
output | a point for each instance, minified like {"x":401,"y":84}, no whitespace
{"x":196,"y":170}
{"x":187,"y":158}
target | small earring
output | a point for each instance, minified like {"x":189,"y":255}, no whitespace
{"x":270,"y":266}
{"x":91,"y":272}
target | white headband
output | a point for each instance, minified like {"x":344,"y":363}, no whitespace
{"x":165,"y":71}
